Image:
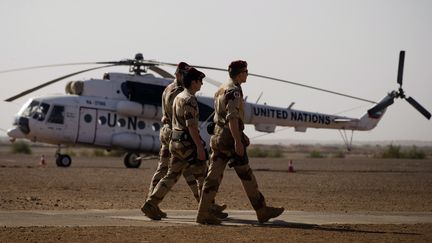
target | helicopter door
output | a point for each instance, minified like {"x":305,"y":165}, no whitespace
{"x":87,"y":125}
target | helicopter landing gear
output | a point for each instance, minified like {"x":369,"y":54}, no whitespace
{"x":62,"y":160}
{"x":132,"y":160}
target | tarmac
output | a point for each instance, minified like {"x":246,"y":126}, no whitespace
{"x":134,"y":217}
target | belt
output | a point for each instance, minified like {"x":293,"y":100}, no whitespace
{"x":179,"y":136}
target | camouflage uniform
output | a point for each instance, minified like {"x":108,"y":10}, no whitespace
{"x":170,"y":92}
{"x":185,"y":112}
{"x":228,"y":104}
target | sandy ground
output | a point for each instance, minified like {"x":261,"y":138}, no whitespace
{"x":352,"y":184}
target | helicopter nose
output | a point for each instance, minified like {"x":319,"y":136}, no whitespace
{"x":15,"y":133}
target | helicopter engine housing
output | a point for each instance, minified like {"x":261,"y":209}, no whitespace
{"x":130,"y":108}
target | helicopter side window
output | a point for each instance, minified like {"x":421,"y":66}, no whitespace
{"x":57,"y":115}
{"x":143,"y":93}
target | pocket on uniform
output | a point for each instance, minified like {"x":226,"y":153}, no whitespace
{"x":222,"y":141}
{"x":165,"y":134}
{"x":181,"y":150}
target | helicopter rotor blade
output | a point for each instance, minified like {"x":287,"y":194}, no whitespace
{"x":53,"y":81}
{"x":311,"y":87}
{"x":419,"y":107}
{"x":161,"y":72}
{"x":153,"y":66}
{"x":207,"y":79}
{"x":401,"y":67}
{"x":48,"y":66}
{"x":281,"y":80}
{"x":213,"y":82}
{"x":119,"y":63}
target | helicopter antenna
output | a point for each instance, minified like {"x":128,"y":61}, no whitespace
{"x":259,"y":97}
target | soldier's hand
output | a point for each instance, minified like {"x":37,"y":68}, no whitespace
{"x":164,"y":119}
{"x":239,"y":149}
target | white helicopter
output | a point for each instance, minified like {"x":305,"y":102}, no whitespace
{"x":123,"y":111}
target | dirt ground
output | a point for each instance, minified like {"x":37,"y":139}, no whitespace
{"x":351,"y":184}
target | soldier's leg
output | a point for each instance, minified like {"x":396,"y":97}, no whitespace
{"x":164,"y":157}
{"x":167,"y":182}
{"x":217,"y":210}
{"x":199,"y":170}
{"x":162,"y":169}
{"x":250,"y":185}
{"x":189,"y":176}
{"x":212,"y":181}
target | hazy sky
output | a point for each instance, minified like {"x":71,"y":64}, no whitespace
{"x":346,"y":46}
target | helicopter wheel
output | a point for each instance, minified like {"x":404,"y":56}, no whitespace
{"x":63,"y":160}
{"x":132,"y":160}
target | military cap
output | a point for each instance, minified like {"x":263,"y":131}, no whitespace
{"x":182,"y":67}
{"x":193,"y":74}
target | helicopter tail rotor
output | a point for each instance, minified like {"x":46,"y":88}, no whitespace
{"x":400,"y":93}
{"x":401,"y":68}
{"x":419,"y":107}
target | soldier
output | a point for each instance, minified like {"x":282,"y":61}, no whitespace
{"x":170,"y":92}
{"x":228,"y":145}
{"x":186,"y":147}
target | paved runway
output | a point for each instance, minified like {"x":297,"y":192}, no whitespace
{"x":134,"y":217}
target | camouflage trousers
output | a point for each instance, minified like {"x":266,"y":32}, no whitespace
{"x":218,"y":161}
{"x":178,"y":165}
{"x":163,"y":164}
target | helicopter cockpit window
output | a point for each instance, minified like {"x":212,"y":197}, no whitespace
{"x":30,"y":109}
{"x":36,"y":110}
{"x":57,"y":115}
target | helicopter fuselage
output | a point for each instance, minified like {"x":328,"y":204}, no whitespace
{"x":123,"y":111}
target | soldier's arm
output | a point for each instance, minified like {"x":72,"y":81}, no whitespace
{"x":235,"y":132}
{"x":233,"y":99}
{"x":194,"y":133}
{"x":164,"y":112}
{"x":191,"y":117}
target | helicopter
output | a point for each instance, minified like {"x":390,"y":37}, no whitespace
{"x":123,"y":110}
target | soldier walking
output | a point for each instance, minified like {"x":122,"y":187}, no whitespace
{"x":170,"y":92}
{"x":228,"y":145}
{"x":186,"y":148}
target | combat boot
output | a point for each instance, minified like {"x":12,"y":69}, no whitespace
{"x":162,"y":213}
{"x":151,"y":211}
{"x":217,"y":211}
{"x":219,"y":208}
{"x":266,"y":213}
{"x":208,"y":219}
